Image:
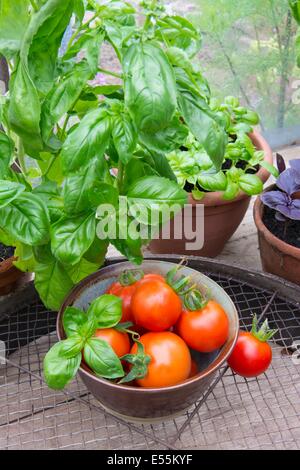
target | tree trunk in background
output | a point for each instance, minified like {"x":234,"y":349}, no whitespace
{"x":284,"y":81}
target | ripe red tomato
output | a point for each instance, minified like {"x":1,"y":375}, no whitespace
{"x":251,"y":357}
{"x":151,"y":277}
{"x":155,"y":305}
{"x":119,"y":342}
{"x":125,"y":293}
{"x":204,"y":330}
{"x":170,"y":360}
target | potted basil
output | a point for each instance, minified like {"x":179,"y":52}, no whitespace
{"x":277,"y":218}
{"x":225,"y":193}
{"x":65,"y":133}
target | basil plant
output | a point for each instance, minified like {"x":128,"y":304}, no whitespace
{"x":69,"y":144}
{"x":196,"y":172}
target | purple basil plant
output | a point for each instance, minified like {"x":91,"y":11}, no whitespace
{"x":286,"y":200}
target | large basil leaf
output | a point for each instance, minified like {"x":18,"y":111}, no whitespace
{"x":149,"y":198}
{"x":203,"y":125}
{"x":295,"y":7}
{"x":150,"y":87}
{"x":73,"y":320}
{"x":89,"y":42}
{"x":107,"y":309}
{"x":79,"y":187}
{"x":130,"y":248}
{"x":9,"y":191}
{"x":52,"y":281}
{"x":72,"y":237}
{"x":42,"y":40}
{"x":6,"y":151}
{"x":87,"y":141}
{"x":59,"y":370}
{"x":26,"y":219}
{"x":124,"y":136}
{"x":25,"y":110}
{"x":101,"y":358}
{"x":14,"y":18}
{"x":165,"y":140}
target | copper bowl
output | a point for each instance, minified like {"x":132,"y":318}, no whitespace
{"x":134,"y":403}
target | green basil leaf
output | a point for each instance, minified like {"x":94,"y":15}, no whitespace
{"x":72,"y":237}
{"x":42,"y":41}
{"x":295,"y":7}
{"x":101,"y":358}
{"x":159,"y":164}
{"x":14,"y":18}
{"x":107,"y":309}
{"x":84,"y":268}
{"x":52,"y":281}
{"x":232,"y":190}
{"x":203,"y":125}
{"x":73,"y":319}
{"x":130,"y":248}
{"x":50,"y":194}
{"x":151,"y":195}
{"x":271,"y":168}
{"x":72,"y":346}
{"x":60,"y":370}
{"x":79,"y":10}
{"x":63,"y":97}
{"x":103,"y":193}
{"x":6,"y":152}
{"x":25,"y":259}
{"x":26,"y":218}
{"x":9,"y":191}
{"x":179,"y":32}
{"x":90,"y":139}
{"x":251,"y":184}
{"x":80,"y":187}
{"x":150,"y":87}
{"x":97,"y":252}
{"x":165,"y":140}
{"x":214,"y":182}
{"x":124,"y":137}
{"x":25,"y":110}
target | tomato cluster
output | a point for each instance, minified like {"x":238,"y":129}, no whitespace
{"x":168,"y":329}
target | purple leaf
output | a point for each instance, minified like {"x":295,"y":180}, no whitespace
{"x":282,"y":203}
{"x":289,"y":181}
{"x":295,"y":164}
{"x":273,"y":199}
{"x":280,"y":163}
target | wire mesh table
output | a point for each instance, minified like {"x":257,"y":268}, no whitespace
{"x":234,"y":413}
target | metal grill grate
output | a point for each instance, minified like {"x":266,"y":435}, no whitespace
{"x":238,"y":414}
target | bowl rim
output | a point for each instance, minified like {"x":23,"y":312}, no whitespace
{"x":90,"y":280}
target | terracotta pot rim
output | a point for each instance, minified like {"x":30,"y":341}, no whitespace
{"x":216,"y":198}
{"x":269,"y":236}
{"x":139,"y":390}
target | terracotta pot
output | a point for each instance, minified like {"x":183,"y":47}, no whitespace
{"x":278,"y":258}
{"x":133,"y":402}
{"x":10,"y":276}
{"x":221,"y":218}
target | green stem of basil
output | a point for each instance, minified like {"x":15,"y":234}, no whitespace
{"x":78,"y":30}
{"x":34,"y":5}
{"x":21,"y":156}
{"x":120,"y":177}
{"x":112,"y":74}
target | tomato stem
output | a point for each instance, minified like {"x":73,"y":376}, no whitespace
{"x":130,"y":276}
{"x":264,"y":333}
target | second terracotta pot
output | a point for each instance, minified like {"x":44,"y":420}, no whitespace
{"x":221,"y":218}
{"x":278,"y":257}
{"x":10,"y":276}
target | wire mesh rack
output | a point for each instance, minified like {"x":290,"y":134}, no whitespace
{"x":234,"y":413}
